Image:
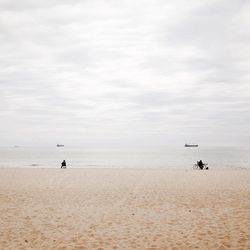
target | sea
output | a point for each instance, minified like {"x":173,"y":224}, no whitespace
{"x":174,"y":157}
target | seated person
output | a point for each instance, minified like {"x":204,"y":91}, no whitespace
{"x":63,"y":164}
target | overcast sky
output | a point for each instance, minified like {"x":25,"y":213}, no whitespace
{"x":124,"y":73}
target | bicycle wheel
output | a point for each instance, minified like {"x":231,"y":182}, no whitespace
{"x":195,"y":166}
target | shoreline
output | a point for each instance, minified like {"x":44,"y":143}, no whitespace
{"x":129,"y":168}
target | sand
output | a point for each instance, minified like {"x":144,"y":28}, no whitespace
{"x":124,"y":209}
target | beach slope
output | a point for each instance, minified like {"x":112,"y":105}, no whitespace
{"x":124,"y":209}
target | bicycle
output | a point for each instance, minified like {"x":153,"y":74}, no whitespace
{"x":196,"y":166}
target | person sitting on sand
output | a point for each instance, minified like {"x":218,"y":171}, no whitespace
{"x":63,"y":164}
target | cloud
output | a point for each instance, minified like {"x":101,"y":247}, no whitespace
{"x":114,"y":69}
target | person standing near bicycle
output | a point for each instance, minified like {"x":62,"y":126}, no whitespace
{"x":200,"y":164}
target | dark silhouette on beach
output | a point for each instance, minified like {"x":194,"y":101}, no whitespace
{"x":63,"y":164}
{"x":200,"y":164}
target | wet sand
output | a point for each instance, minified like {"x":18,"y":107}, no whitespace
{"x":124,"y":209}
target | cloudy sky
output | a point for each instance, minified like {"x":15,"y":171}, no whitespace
{"x":123,"y":73}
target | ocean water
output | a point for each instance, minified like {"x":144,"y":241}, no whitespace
{"x":168,"y":157}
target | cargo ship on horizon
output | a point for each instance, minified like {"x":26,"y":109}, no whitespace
{"x":191,"y":145}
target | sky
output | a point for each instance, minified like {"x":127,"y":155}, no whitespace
{"x":122,"y":73}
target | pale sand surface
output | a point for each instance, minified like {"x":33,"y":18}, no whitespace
{"x":124,"y":209}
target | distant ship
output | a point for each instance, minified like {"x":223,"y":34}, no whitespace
{"x":191,"y":145}
{"x":59,"y":145}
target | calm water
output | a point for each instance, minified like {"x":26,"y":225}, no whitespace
{"x":174,"y":157}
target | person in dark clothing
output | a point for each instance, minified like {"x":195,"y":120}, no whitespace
{"x":200,"y":164}
{"x":63,"y":164}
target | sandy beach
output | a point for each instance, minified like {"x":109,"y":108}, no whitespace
{"x":124,"y":209}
